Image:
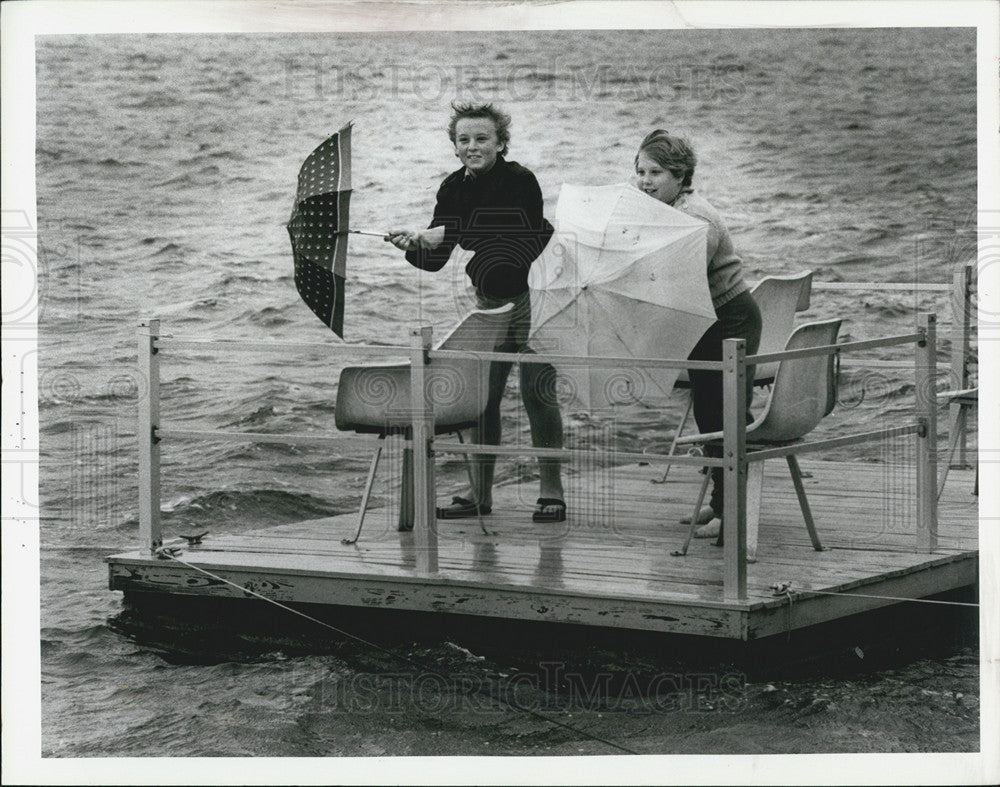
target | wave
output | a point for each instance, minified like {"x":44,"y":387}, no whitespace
{"x":252,"y":507}
{"x":204,"y":176}
{"x":171,"y":250}
{"x":114,"y":163}
{"x":241,"y":278}
{"x":47,"y":154}
{"x":324,"y":407}
{"x":853,"y":259}
{"x":205,"y":156}
{"x":259,"y":416}
{"x":156,"y":100}
{"x":268,"y":317}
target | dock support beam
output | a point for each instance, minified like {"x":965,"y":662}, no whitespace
{"x":925,"y":363}
{"x":734,"y":452}
{"x":424,"y":496}
{"x":150,"y":529}
{"x":961,"y":310}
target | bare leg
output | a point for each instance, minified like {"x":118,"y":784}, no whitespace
{"x":538,"y":394}
{"x":488,"y":433}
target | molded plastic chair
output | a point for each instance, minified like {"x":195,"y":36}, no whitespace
{"x":803,"y":393}
{"x":778,"y":298}
{"x":375,"y":399}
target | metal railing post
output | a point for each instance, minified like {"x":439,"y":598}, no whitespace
{"x":925,"y":372}
{"x":424,"y":517}
{"x":961,"y":309}
{"x":150,"y":530}
{"x":734,"y":452}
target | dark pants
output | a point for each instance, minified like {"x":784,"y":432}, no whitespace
{"x":538,"y":380}
{"x":738,"y":319}
{"x":538,"y":392}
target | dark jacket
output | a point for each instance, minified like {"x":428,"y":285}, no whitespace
{"x":498,"y":217}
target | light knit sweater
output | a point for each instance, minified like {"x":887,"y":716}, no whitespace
{"x":725,"y":268}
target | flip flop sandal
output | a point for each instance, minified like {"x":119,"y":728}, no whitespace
{"x":541,"y":515}
{"x":462,"y":508}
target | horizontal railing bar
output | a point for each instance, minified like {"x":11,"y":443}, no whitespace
{"x":597,"y":361}
{"x":361,"y":349}
{"x":881,"y":285}
{"x":858,"y":362}
{"x":819,"y":445}
{"x":829,"y":349}
{"x":589,"y":361}
{"x":438,"y":447}
{"x":241,"y":344}
{"x":264,"y":437}
{"x":573,"y":454}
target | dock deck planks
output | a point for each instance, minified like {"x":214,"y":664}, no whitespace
{"x":610,"y":563}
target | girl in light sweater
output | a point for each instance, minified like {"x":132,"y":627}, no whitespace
{"x":664,"y":168}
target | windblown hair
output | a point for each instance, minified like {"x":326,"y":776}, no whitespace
{"x":672,"y":153}
{"x":487,"y":111}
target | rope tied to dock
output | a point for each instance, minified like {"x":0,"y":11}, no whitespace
{"x":168,"y":553}
{"x":784,"y":589}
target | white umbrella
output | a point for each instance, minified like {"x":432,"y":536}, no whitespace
{"x":625,"y":275}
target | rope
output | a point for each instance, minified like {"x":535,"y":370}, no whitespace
{"x":884,"y":598}
{"x":510,"y":703}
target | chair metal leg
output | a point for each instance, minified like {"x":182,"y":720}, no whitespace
{"x":958,"y":426}
{"x":368,"y":491}
{"x":755,"y":486}
{"x":952,"y":446}
{"x":694,"y":518}
{"x":793,"y":467}
{"x":472,"y":486}
{"x":677,"y":434}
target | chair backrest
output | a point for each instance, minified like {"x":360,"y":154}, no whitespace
{"x":779,"y":297}
{"x":804,"y":390}
{"x":376,"y":398}
{"x":479,"y":331}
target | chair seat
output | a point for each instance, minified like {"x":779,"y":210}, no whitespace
{"x":376,"y":399}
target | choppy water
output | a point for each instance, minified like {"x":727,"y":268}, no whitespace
{"x":165,"y":172}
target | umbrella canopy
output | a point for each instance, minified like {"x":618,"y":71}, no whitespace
{"x":318,"y":228}
{"x":625,"y":275}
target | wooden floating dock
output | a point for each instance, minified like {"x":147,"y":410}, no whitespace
{"x":609,"y":565}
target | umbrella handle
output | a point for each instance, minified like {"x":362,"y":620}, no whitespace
{"x":367,"y":232}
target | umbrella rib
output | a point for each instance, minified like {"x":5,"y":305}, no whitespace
{"x":614,"y":328}
{"x":560,"y":310}
{"x":596,"y":303}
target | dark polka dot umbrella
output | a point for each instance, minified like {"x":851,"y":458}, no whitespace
{"x":318,"y":228}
